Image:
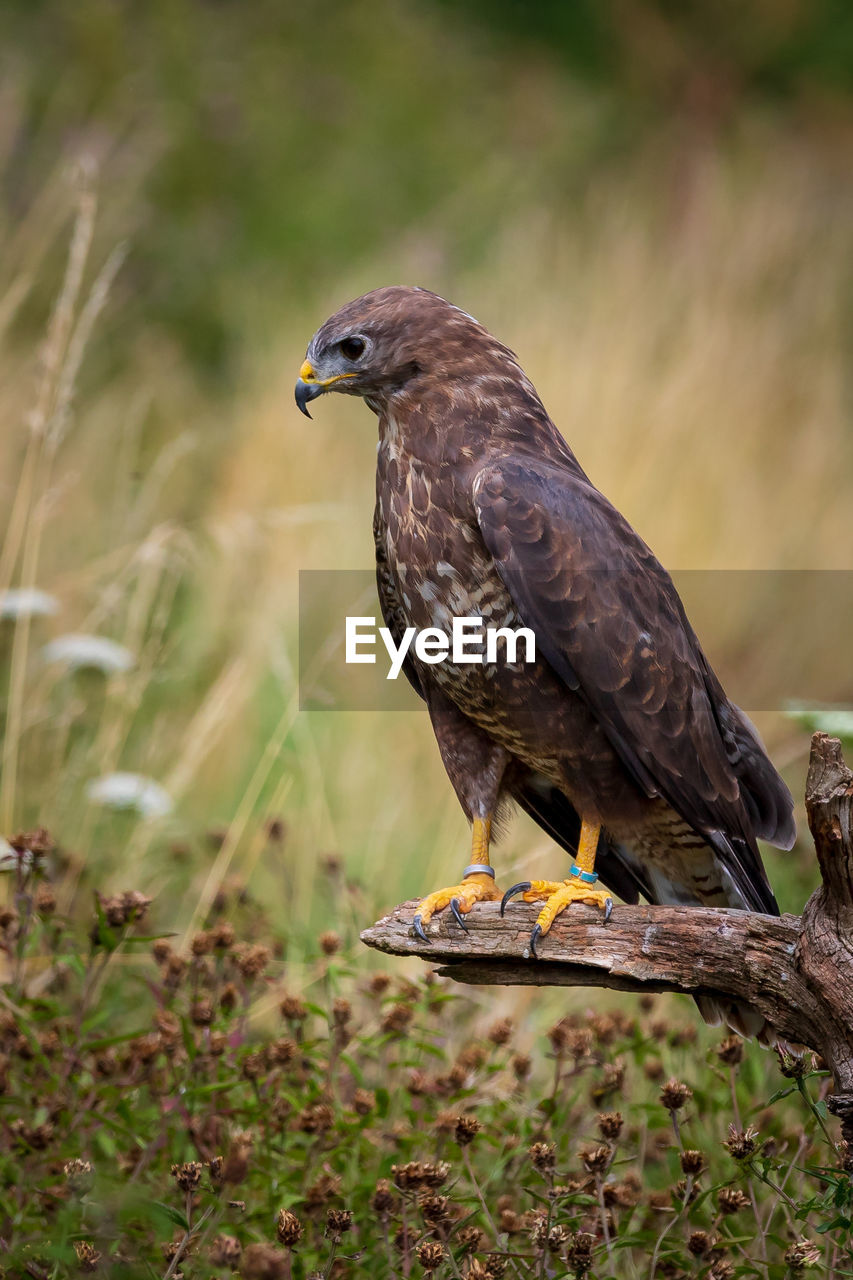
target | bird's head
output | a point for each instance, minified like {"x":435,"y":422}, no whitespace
{"x":379,"y":343}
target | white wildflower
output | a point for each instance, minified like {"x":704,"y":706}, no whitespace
{"x":77,"y":651}
{"x":27,"y":602}
{"x":131,"y":791}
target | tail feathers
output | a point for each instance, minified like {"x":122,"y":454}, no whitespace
{"x":769,"y":803}
{"x":739,"y":1016}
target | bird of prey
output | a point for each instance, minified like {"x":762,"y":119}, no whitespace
{"x":618,"y":740}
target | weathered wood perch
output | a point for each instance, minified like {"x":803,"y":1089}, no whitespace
{"x":797,"y":970}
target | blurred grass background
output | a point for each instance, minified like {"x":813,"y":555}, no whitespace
{"x":650,"y":202}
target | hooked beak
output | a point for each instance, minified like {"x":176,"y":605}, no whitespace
{"x":309,"y":387}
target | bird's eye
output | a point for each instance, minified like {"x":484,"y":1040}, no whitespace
{"x":353,"y":348}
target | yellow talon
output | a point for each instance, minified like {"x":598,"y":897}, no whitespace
{"x":478,"y":886}
{"x":560,"y":894}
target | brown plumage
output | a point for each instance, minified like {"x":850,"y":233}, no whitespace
{"x":483,"y":510}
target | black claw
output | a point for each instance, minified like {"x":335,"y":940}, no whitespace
{"x":534,"y":937}
{"x":608,"y":907}
{"x":521,"y":887}
{"x":457,"y":914}
{"x":419,"y":928}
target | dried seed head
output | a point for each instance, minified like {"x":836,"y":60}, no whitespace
{"x":263,"y":1262}
{"x":228,"y":997}
{"x":543,"y":1157}
{"x":222,"y":935}
{"x":681,"y":1191}
{"x":557,"y":1238}
{"x":612,"y":1080}
{"x":292,"y":1009}
{"x":692,"y":1162}
{"x":722,"y":1269}
{"x":700,"y":1243}
{"x":467,"y":1128}
{"x":802,"y":1255}
{"x":610,"y":1124}
{"x":79,"y":1175}
{"x":382,"y":1201}
{"x":522,"y":1065}
{"x":621,"y":1195}
{"x":135,"y":906}
{"x":500,"y":1033}
{"x":283,"y":1051}
{"x":288,"y":1228}
{"x":674,"y":1095}
{"x":168,"y":1026}
{"x":317,"y":1117}
{"x":378,"y":984}
{"x":469,"y":1239}
{"x":87,"y":1255}
{"x":397,"y":1018}
{"x":252,"y":959}
{"x":418,"y":1173}
{"x":188,"y":1175}
{"x":537,"y":1225}
{"x":341,"y":1012}
{"x":471,"y":1058}
{"x":201,"y":1013}
{"x":363,"y":1101}
{"x":39,"y":1137}
{"x":216,"y":1171}
{"x":404,"y":1238}
{"x":338,"y":1223}
{"x":225,"y":1251}
{"x":430,"y":1254}
{"x":435,"y":1208}
{"x":418,"y":1083}
{"x":174,"y":971}
{"x":38,"y":842}
{"x":730,"y":1051}
{"x":741,"y":1143}
{"x":792,"y":1065}
{"x":202,"y":944}
{"x":255,"y":1065}
{"x":44,"y":899}
{"x":318,"y":1195}
{"x":445,"y":1121}
{"x":732,"y":1200}
{"x":596,"y":1159}
{"x":579,"y":1252}
{"x":604,"y":1027}
{"x":236,"y":1165}
{"x":330,"y":943}
{"x":496,"y":1265}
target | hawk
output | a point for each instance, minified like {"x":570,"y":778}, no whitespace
{"x":618,"y":740}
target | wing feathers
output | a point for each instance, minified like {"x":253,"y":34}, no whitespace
{"x":609,"y":621}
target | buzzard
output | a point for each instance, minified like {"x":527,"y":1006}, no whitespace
{"x":619,"y":740}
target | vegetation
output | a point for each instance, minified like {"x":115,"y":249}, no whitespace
{"x":204,"y":1111}
{"x":657,"y":218}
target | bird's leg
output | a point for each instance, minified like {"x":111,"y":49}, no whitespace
{"x":477,"y":885}
{"x":560,"y":894}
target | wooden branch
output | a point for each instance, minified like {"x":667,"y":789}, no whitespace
{"x":795,"y":970}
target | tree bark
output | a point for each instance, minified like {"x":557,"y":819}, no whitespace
{"x":796,"y":970}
